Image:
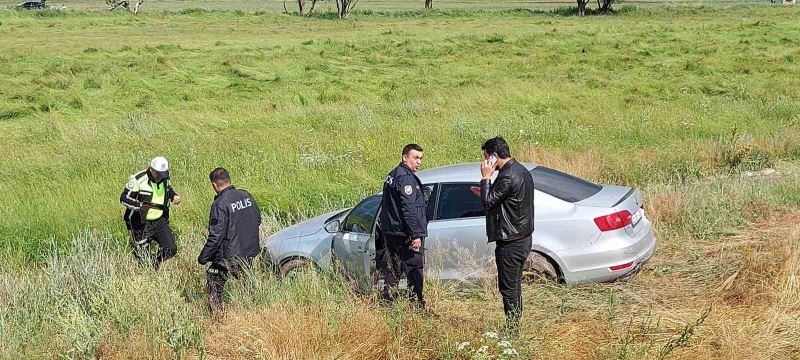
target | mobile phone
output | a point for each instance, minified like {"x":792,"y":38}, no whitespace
{"x":493,"y":158}
{"x":418,"y":251}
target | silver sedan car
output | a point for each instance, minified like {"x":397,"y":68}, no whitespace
{"x":584,"y":232}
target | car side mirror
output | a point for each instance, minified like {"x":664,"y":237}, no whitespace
{"x":333,"y":226}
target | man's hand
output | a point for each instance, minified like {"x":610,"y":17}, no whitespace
{"x":176,"y":199}
{"x":416,"y":244}
{"x":475,"y":190}
{"x":144,"y":207}
{"x":487,"y":169}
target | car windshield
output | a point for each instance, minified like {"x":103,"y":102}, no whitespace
{"x":563,"y":186}
{"x":338,"y":214}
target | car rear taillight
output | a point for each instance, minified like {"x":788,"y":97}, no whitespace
{"x":617,"y":220}
{"x":622,"y":266}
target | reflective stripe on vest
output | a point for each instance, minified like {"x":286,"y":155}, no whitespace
{"x":159,"y":195}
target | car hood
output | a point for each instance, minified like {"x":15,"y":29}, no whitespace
{"x":308,"y":227}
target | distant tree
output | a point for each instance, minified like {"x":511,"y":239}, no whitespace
{"x":604,"y":6}
{"x":582,"y":7}
{"x":114,"y":4}
{"x":301,"y":6}
{"x":344,"y":7}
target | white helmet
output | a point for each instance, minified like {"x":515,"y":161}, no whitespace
{"x":161,"y":166}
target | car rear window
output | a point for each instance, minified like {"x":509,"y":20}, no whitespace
{"x":563,"y":186}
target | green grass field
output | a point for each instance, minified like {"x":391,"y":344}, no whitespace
{"x":310,"y":114}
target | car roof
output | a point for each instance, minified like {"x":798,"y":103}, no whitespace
{"x":469,"y":172}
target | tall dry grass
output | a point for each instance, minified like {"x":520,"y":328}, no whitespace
{"x":729,"y":296}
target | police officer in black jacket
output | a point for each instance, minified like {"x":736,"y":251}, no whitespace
{"x":232,"y":235}
{"x":404,"y":225}
{"x":509,"y":221}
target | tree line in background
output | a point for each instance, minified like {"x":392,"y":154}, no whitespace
{"x":125,"y":4}
{"x":345,"y":7}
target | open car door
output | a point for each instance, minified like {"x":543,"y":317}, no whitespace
{"x":353,"y":245}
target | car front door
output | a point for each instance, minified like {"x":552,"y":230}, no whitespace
{"x":457,"y":244}
{"x":352,"y":243}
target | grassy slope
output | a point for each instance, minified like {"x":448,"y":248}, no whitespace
{"x":309,"y":114}
{"x":287,"y":104}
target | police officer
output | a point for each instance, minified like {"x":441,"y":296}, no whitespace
{"x":404,"y":225}
{"x":146,"y":198}
{"x":232,"y":235}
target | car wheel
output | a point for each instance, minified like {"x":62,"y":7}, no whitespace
{"x":537,"y":266}
{"x":294,"y":265}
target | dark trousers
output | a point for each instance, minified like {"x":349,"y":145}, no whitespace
{"x":216,"y":277}
{"x":158,"y":231}
{"x":510,"y":257}
{"x":399,"y":258}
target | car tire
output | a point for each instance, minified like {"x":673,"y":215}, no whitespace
{"x":538,"y":266}
{"x":293,"y":265}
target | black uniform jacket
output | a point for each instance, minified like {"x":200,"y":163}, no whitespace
{"x":403,"y":205}
{"x":232,"y":228}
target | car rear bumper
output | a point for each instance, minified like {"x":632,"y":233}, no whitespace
{"x":593,"y":263}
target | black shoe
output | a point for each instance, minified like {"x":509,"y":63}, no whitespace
{"x":215,"y":305}
{"x":387,"y":297}
{"x":427,"y":313}
{"x":421,"y":308}
{"x":511,"y":329}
